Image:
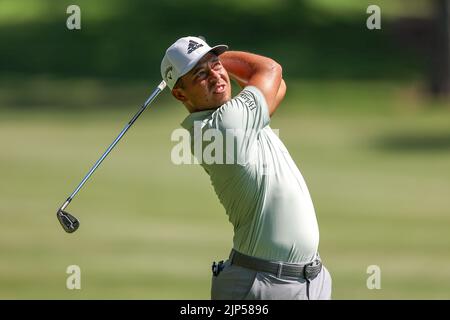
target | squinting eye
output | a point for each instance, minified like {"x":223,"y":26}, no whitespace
{"x":217,"y":66}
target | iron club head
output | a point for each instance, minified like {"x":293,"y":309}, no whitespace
{"x":68,"y":222}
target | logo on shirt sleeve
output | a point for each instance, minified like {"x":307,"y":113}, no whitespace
{"x":248,"y":99}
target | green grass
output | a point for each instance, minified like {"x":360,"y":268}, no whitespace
{"x":379,"y":178}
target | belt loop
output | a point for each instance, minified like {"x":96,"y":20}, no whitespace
{"x":232,"y":256}
{"x":280,"y":269}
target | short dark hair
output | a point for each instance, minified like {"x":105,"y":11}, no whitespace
{"x":179,"y":83}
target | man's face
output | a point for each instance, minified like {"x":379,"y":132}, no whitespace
{"x":206,"y":86}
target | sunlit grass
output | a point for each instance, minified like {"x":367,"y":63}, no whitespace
{"x":150,"y":229}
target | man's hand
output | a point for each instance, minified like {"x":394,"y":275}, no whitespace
{"x":249,"y":69}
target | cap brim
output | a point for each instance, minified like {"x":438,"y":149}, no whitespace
{"x":217,"y":50}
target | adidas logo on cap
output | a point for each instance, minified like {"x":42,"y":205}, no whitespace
{"x":192,"y":46}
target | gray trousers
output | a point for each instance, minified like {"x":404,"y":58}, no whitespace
{"x":239,"y":283}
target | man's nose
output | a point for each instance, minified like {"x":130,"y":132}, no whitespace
{"x":214,"y":76}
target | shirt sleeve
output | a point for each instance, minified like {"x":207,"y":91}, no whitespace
{"x":247,"y":111}
{"x":242,"y":119}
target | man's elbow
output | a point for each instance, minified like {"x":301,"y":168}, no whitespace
{"x":276,"y":69}
{"x":283,"y":88}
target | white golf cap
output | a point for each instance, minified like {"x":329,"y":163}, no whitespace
{"x":183,"y":55}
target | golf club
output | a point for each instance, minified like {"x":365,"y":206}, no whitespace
{"x":68,"y":221}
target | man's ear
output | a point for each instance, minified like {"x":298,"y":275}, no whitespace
{"x":178,"y":93}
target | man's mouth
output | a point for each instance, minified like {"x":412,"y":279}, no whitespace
{"x":219,"y":89}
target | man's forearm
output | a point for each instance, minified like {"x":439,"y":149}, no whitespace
{"x":242,"y":66}
{"x":251,"y":69}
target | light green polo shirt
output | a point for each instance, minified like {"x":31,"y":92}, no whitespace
{"x":259,"y":185}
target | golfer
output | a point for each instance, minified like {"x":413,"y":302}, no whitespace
{"x":276,"y":236}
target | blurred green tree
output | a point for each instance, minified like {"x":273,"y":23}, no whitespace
{"x":440,"y":69}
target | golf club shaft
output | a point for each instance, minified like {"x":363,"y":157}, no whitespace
{"x":154,"y":94}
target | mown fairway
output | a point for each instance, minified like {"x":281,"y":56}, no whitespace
{"x":379,"y":178}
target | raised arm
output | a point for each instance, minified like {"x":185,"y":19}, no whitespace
{"x":249,"y":69}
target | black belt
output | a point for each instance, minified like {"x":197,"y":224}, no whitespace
{"x":307,"y":271}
